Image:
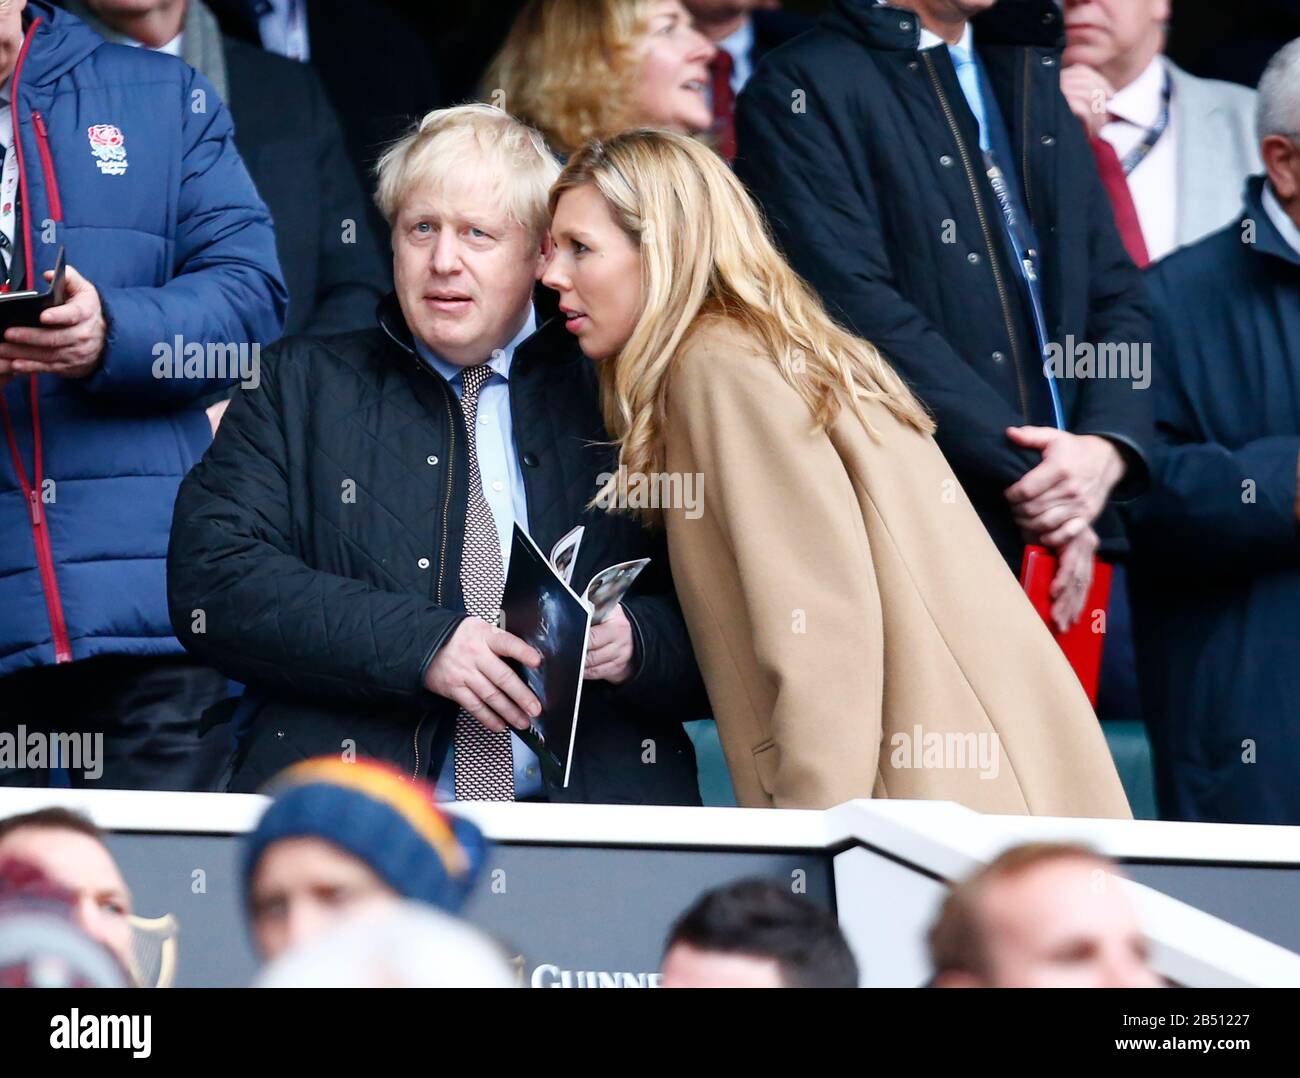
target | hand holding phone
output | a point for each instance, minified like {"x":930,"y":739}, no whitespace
{"x":59,"y":331}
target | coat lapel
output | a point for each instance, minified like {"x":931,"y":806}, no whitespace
{"x":1195,"y":111}
{"x":1221,"y":148}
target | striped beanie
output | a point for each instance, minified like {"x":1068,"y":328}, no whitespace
{"x":380,"y":816}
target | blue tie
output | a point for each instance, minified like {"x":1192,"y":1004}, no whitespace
{"x":968,"y":75}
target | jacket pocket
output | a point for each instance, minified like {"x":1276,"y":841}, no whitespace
{"x":47,"y":167}
{"x":766,"y":759}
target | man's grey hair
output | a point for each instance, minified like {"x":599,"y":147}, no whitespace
{"x":1278,"y":111}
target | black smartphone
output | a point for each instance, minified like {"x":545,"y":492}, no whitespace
{"x":24,"y":308}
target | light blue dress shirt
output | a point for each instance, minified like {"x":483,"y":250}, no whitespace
{"x":739,"y":44}
{"x":282,"y":26}
{"x":503,"y":488}
{"x":968,"y":75}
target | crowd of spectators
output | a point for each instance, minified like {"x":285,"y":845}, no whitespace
{"x":917,"y":290}
{"x":356,"y":878}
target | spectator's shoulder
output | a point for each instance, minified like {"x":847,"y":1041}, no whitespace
{"x":115,"y":65}
{"x":774,"y":28}
{"x":273,"y":98}
{"x":1192,"y":274}
{"x":1241,"y":98}
{"x":804,"y":53}
{"x":327,"y":354}
{"x":718,"y":348}
{"x":1215,"y":95}
{"x":168,"y":78}
{"x":352,"y":349}
{"x":822,"y":62}
{"x":276,"y":80}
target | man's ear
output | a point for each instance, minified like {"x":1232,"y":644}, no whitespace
{"x":544,"y":251}
{"x":1279,"y":156}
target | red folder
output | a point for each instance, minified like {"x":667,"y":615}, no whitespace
{"x":1083,"y":640}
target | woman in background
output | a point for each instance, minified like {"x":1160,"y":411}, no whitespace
{"x":582,"y":69}
{"x":859,"y":633}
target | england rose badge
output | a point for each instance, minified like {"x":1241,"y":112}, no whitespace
{"x":109,"y":148}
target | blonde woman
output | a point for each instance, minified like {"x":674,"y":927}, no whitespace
{"x":859,"y":633}
{"x":582,"y":69}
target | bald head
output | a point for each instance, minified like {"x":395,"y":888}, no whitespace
{"x":1041,"y":916}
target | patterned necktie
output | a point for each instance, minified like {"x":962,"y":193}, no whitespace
{"x":6,"y":215}
{"x":484,"y":760}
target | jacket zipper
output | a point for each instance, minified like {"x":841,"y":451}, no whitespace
{"x":1008,"y":321}
{"x":40,"y":526}
{"x":47,"y":166}
{"x":1024,"y":141}
{"x":442,"y":550}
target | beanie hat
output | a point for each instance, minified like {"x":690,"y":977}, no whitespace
{"x":380,"y":816}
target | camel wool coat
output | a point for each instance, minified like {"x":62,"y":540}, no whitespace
{"x":858,"y":631}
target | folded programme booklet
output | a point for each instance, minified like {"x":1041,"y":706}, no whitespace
{"x":540,"y":607}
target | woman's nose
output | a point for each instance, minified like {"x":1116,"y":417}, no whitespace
{"x":704,"y":50}
{"x":552,"y":277}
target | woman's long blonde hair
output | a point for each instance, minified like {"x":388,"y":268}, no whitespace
{"x":706,"y":251}
{"x":571,"y":68}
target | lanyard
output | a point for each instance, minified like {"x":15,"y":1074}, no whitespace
{"x":1139,"y":152}
{"x":8,"y":187}
{"x":1025,"y":257}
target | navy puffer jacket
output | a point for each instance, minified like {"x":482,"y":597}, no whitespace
{"x":127,"y":160}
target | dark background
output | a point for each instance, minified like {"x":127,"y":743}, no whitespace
{"x":1230,"y":39}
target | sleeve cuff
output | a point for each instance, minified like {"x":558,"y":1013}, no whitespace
{"x":1137,"y":472}
{"x":638,"y":644}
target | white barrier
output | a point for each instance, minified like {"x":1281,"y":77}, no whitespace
{"x":890,"y":860}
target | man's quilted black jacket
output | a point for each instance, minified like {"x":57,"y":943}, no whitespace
{"x":315,"y":557}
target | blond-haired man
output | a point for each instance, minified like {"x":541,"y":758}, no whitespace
{"x":342,"y":547}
